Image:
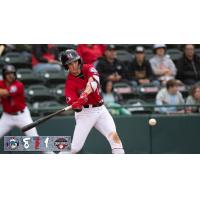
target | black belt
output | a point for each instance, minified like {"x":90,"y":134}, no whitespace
{"x":93,"y":106}
{"x":17,"y":113}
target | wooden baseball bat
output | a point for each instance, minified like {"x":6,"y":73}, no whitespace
{"x":43,"y":119}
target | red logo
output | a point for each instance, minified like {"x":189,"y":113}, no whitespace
{"x":37,"y":142}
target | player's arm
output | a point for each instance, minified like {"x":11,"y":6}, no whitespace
{"x":92,"y":85}
{"x":4,"y":93}
{"x":93,"y":81}
{"x":13,"y":91}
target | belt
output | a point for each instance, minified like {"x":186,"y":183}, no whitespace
{"x":16,"y":113}
{"x":93,"y":106}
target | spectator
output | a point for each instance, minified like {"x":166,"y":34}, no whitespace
{"x":45,"y":58}
{"x":189,"y":66}
{"x":169,"y":96}
{"x":5,"y":48}
{"x":109,"y":67}
{"x":90,"y":52}
{"x":111,"y":99}
{"x":140,"y":72}
{"x":194,"y":98}
{"x":162,"y":66}
{"x":109,"y":95}
{"x":2,"y":48}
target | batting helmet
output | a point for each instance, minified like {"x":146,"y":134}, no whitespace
{"x":69,"y":56}
{"x":7,"y":69}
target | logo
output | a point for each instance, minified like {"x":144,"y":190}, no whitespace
{"x":93,"y":70}
{"x":26,"y":142}
{"x":61,"y":143}
{"x":13,"y":89}
{"x":46,"y":142}
{"x":37,"y":142}
{"x":13,"y":143}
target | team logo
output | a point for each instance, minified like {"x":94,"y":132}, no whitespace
{"x":26,"y":142}
{"x":93,"y":70}
{"x":13,"y":143}
{"x":61,"y":143}
{"x":70,"y":56}
{"x":13,"y":89}
{"x":37,"y":142}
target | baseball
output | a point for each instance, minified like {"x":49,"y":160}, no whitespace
{"x":152,"y":122}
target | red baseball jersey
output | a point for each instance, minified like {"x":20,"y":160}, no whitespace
{"x":16,"y":100}
{"x":75,"y":85}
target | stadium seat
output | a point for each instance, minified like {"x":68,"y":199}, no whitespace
{"x":48,"y":107}
{"x":1,"y":110}
{"x":122,"y":88}
{"x":148,"y":54}
{"x":148,"y":92}
{"x":2,"y":62}
{"x":175,"y":54}
{"x":124,"y":56}
{"x":28,"y":77}
{"x":62,"y":47}
{"x":125,"y":90}
{"x":138,"y":106}
{"x":1,"y":77}
{"x":121,"y":46}
{"x":54,"y":78}
{"x":59,"y":93}
{"x":38,"y":93}
{"x":197,"y":52}
{"x":19,"y":60}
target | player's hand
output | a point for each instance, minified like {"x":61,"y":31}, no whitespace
{"x":83,"y":98}
{"x":77,"y":106}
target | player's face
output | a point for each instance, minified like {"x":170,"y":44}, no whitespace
{"x":74,"y":68}
{"x":10,"y":77}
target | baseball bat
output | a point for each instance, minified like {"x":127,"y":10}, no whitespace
{"x":43,"y":119}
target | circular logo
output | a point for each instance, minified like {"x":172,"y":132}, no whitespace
{"x":13,"y":144}
{"x":61,"y":143}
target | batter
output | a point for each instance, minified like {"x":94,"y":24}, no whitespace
{"x":82,"y":91}
{"x":15,"y":111}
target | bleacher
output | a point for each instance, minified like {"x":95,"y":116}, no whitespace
{"x":45,"y":91}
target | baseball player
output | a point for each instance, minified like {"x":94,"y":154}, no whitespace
{"x":82,"y":92}
{"x":15,"y":111}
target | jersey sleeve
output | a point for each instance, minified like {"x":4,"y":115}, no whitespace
{"x":70,"y":93}
{"x":92,"y":72}
{"x":1,"y":85}
{"x":17,"y":89}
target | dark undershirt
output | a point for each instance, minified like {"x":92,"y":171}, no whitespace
{"x":80,"y":76}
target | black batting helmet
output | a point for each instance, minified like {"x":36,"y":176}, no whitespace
{"x":69,"y":56}
{"x":7,"y":69}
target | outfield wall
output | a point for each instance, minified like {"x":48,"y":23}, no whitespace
{"x":172,"y":134}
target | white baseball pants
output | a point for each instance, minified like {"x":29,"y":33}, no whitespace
{"x":100,"y":118}
{"x":8,"y":122}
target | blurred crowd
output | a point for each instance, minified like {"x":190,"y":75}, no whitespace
{"x":134,"y":68}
